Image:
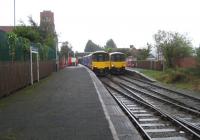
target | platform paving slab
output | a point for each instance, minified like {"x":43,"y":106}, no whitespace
{"x":64,"y":106}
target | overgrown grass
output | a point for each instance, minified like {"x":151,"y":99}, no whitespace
{"x":180,"y":78}
{"x":151,"y":73}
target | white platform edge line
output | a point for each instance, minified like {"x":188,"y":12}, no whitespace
{"x":111,"y":126}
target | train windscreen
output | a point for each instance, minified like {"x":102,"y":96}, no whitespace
{"x":118,"y":57}
{"x":98,"y":57}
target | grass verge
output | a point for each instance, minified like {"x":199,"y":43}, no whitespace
{"x":180,"y":78}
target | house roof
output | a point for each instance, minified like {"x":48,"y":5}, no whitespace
{"x":6,"y":28}
{"x":151,"y":56}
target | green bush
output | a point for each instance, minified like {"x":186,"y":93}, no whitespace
{"x":173,"y":76}
{"x":191,"y":71}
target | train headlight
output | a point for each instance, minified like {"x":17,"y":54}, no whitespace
{"x":94,"y":67}
{"x":112,"y":65}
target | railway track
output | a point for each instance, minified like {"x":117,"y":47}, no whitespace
{"x":180,"y":110}
{"x":178,"y":97}
{"x":149,"y":119}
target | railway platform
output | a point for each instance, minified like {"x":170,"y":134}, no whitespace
{"x":69,"y":105}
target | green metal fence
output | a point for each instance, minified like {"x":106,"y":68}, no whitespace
{"x":15,"y":67}
{"x":20,"y":52}
{"x":4,"y":49}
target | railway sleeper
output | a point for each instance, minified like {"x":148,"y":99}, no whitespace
{"x":156,"y":126}
{"x":170,"y":138}
{"x":165,"y":133}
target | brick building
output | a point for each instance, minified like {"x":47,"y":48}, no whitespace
{"x":6,"y":28}
{"x":47,"y":21}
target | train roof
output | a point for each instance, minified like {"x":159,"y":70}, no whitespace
{"x":87,"y":55}
{"x":116,"y":53}
{"x":99,"y":52}
{"x":95,"y":53}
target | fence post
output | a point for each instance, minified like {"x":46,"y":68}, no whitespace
{"x":34,"y":50}
{"x":38,"y":70}
{"x":31,"y":62}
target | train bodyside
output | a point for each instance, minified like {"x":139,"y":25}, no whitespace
{"x":86,"y":60}
{"x":117,"y":63}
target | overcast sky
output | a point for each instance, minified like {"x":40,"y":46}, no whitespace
{"x":125,"y":21}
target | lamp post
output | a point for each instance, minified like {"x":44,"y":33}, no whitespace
{"x":14,"y":13}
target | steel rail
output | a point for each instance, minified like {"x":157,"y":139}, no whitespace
{"x":178,"y":123}
{"x":192,"y":127}
{"x":129,"y":114}
{"x":164,"y":100}
{"x":165,"y":96}
{"x":161,"y":87}
{"x":126,"y":87}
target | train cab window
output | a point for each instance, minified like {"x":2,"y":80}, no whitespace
{"x":118,"y":57}
{"x":100,"y":57}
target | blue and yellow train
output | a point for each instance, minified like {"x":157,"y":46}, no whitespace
{"x":102,"y":63}
{"x":98,"y":62}
{"x":117,"y":63}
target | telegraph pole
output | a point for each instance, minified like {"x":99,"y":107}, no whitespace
{"x":14,"y":13}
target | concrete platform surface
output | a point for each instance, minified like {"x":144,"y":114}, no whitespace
{"x":64,"y":106}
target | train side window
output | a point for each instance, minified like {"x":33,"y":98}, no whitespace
{"x":122,"y":57}
{"x":118,"y":57}
{"x":94,"y":58}
{"x":112,"y":58}
{"x":100,"y":57}
{"x":106,"y":57}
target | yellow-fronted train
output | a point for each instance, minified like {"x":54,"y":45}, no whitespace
{"x":117,"y":63}
{"x":98,"y":62}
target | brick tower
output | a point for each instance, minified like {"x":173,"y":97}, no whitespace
{"x":47,"y":21}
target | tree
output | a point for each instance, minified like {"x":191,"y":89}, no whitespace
{"x":50,"y":41}
{"x":133,"y":51}
{"x":91,"y":47}
{"x":65,"y":49}
{"x":33,"y":24}
{"x":12,"y":39}
{"x":126,"y":51}
{"x":27,"y":32}
{"x":36,"y":34}
{"x":172,"y":46}
{"x":110,"y":44}
{"x":198,"y":55}
{"x":142,"y":54}
{"x":149,"y":47}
